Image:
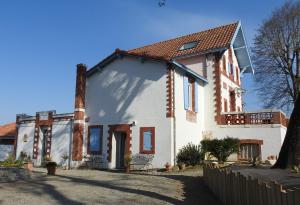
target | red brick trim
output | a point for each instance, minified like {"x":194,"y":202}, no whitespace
{"x":119,"y":128}
{"x":230,"y":77}
{"x":217,"y":88}
{"x":78,"y":129}
{"x":101,"y":140}
{"x":77,"y":142}
{"x":224,"y":65}
{"x":232,"y":101}
{"x":250,"y":141}
{"x":38,"y":123}
{"x":170,"y":91}
{"x":225,"y":105}
{"x":142,"y":130}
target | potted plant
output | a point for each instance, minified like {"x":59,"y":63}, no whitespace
{"x":168,"y":167}
{"x":65,"y":157}
{"x":181,"y":165}
{"x":51,"y":167}
{"x":27,"y":162}
{"x":127,"y":161}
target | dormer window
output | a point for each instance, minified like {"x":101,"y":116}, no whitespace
{"x":189,"y":45}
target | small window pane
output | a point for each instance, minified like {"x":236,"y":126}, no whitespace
{"x":147,"y":141}
{"x":189,"y":45}
{"x":95,"y":139}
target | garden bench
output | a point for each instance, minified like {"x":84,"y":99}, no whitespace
{"x":142,"y":161}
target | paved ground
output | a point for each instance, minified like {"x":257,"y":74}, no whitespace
{"x":103,"y":187}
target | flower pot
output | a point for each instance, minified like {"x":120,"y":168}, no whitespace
{"x":181,"y":166}
{"x":127,"y":169}
{"x":51,"y":168}
{"x":168,"y":167}
{"x":28,"y":166}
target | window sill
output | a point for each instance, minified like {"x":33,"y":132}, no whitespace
{"x":147,"y":152}
{"x":191,"y":116}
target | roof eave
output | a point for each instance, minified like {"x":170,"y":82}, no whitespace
{"x":189,"y":71}
{"x":247,"y":67}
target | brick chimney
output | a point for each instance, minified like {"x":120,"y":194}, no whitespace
{"x":79,"y":111}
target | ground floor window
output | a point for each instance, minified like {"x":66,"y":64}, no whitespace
{"x":147,"y":140}
{"x":95,"y":139}
{"x":250,"y":149}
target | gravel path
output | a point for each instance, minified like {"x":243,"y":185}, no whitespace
{"x":103,"y":187}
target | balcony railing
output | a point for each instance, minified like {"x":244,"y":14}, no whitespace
{"x":254,"y":118}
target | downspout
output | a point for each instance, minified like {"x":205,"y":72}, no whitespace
{"x":174,"y":118}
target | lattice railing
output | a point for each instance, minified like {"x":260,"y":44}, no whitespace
{"x":257,"y":118}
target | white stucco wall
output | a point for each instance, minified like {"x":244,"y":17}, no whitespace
{"x":28,"y":129}
{"x":61,"y":140}
{"x":5,"y":151}
{"x":187,"y":131}
{"x":129,"y":90}
{"x":230,"y":84}
{"x":270,"y":134}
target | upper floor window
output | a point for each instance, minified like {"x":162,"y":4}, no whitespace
{"x":190,"y":91}
{"x":188,"y":45}
{"x":147,"y":140}
{"x":95,"y":137}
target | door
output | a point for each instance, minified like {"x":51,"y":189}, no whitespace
{"x":120,"y":149}
{"x":249,"y":151}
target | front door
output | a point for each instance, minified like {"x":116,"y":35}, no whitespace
{"x":120,"y":148}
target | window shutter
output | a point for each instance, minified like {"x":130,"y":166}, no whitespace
{"x":186,"y":92}
{"x":196,"y":97}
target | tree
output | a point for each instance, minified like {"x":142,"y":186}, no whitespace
{"x":289,"y":155}
{"x":276,"y":57}
{"x":220,"y":148}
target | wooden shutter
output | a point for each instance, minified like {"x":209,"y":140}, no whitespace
{"x":186,"y":92}
{"x":196,"y":96}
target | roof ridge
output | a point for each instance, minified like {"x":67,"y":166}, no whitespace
{"x":206,"y":30}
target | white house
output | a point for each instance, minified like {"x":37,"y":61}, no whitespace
{"x":157,"y":98}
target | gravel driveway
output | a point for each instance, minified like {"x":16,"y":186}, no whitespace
{"x":104,"y":187}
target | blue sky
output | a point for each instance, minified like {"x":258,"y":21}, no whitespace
{"x":42,"y":41}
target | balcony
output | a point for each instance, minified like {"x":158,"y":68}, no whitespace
{"x":254,"y":118}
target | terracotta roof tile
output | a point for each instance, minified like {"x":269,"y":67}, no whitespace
{"x":8,"y":130}
{"x":218,"y":37}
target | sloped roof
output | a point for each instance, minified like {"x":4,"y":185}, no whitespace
{"x":215,"y":38}
{"x":8,"y":130}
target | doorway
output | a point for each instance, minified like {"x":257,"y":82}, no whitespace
{"x":44,"y":136}
{"x":120,"y":139}
{"x":118,"y":145}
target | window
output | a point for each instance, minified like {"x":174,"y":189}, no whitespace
{"x":224,"y":63}
{"x":189,"y":45}
{"x":237,"y":75}
{"x":225,"y":105}
{"x":95,"y":135}
{"x":147,"y":140}
{"x":190,"y":94}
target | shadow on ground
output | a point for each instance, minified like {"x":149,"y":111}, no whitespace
{"x":194,"y":189}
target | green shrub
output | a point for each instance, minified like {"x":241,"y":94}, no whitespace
{"x":11,"y":162}
{"x":220,"y":148}
{"x":190,"y":155}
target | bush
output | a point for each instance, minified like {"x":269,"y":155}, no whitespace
{"x":189,"y":155}
{"x":220,"y":148}
{"x":11,"y":162}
